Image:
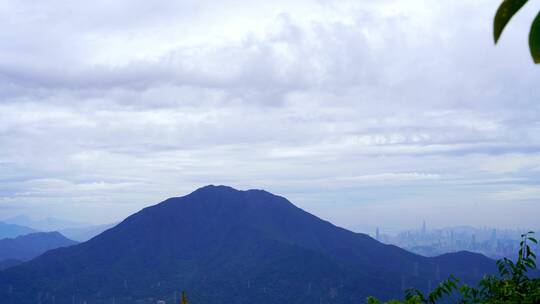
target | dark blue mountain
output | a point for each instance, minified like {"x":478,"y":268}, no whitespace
{"x":29,"y":246}
{"x":13,"y":230}
{"x":222,"y":245}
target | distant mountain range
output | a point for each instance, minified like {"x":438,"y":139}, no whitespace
{"x":22,"y":224}
{"x":12,"y":230}
{"x":26,"y":247}
{"x":46,"y":224}
{"x":222,"y":245}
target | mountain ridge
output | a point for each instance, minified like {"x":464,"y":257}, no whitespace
{"x":46,"y":224}
{"x":12,"y":230}
{"x":26,"y":247}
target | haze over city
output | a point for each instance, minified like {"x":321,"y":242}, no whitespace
{"x":377,"y":113}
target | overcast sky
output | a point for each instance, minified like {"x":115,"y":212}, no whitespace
{"x":362,"y":112}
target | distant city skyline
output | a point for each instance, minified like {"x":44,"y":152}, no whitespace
{"x":379,"y":113}
{"x":495,"y":243}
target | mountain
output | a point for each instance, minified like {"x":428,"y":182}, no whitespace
{"x":5,"y":264}
{"x":73,"y":230}
{"x":83,"y":234}
{"x":12,"y":230}
{"x":46,"y":224}
{"x":29,"y":246}
{"x":222,"y":245}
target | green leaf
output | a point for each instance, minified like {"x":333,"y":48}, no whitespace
{"x":505,"y":12}
{"x":530,"y":264}
{"x":534,"y":40}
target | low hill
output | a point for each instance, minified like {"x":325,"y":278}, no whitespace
{"x":29,"y":246}
{"x":12,"y":230}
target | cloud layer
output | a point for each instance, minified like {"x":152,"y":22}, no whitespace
{"x":381,"y":113}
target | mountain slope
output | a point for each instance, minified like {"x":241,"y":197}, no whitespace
{"x":29,"y":246}
{"x":83,"y":234}
{"x":12,"y":230}
{"x":4,"y":264}
{"x":224,"y":245}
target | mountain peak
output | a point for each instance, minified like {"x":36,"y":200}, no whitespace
{"x":225,"y":188}
{"x":223,"y":193}
{"x":214,"y":188}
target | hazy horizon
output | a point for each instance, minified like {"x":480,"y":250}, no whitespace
{"x":380,"y":113}
{"x":357,"y":227}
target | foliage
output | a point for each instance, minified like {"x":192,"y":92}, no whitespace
{"x":506,"y":11}
{"x":184,"y":298}
{"x":512,"y":285}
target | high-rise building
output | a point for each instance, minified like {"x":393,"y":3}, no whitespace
{"x":377,"y":235}
{"x":493,"y":239}
{"x":423,"y":227}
